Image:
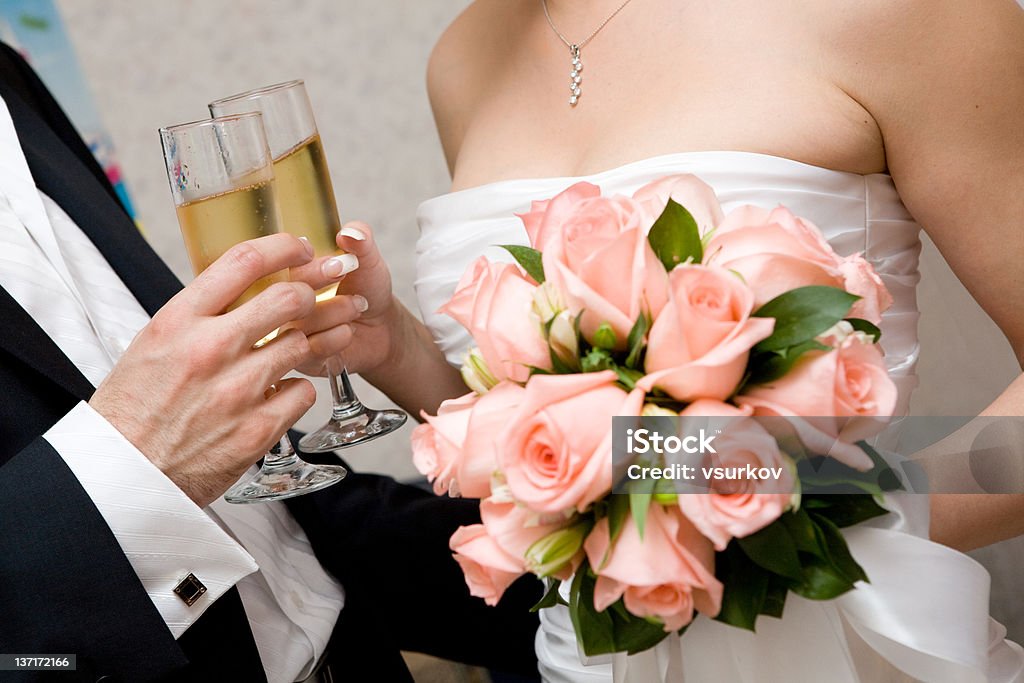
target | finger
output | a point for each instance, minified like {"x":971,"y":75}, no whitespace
{"x":356,"y":237}
{"x":290,"y":401}
{"x":229,"y":276}
{"x":322,"y":272}
{"x":276,"y":358}
{"x":330,"y":342}
{"x":336,"y":311}
{"x":275,"y":306}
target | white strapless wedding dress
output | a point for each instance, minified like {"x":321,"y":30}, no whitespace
{"x":924,"y":616}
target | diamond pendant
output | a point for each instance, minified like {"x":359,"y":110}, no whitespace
{"x":574,"y":75}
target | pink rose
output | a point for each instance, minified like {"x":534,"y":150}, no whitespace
{"x":861,"y":279}
{"x":488,"y":417}
{"x":666,"y":574}
{"x":489,"y":570}
{"x":455,"y":449}
{"x":699,"y":344}
{"x":556,"y":452}
{"x":691,"y":192}
{"x":515,"y":528}
{"x":774,"y":251}
{"x":601,"y":263}
{"x":738,"y":507}
{"x":544,"y":219}
{"x":842,"y":394}
{"x":437,"y":442}
{"x":493,"y":301}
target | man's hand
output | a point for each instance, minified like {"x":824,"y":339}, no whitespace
{"x":189,"y":390}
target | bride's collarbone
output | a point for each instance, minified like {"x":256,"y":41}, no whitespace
{"x":816,"y":128}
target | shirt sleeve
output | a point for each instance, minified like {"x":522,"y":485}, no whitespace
{"x":163,"y":533}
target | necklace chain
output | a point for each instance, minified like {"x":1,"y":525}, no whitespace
{"x":580,"y":45}
{"x":575,"y":79}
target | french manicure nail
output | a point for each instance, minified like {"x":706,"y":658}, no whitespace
{"x":354,"y":233}
{"x":309,"y":246}
{"x":336,"y":266}
{"x":360,"y":303}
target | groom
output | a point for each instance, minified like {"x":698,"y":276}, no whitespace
{"x":117,"y":549}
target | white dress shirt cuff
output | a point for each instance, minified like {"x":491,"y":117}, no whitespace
{"x":163,"y":533}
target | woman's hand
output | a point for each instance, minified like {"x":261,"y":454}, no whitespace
{"x":363,"y":319}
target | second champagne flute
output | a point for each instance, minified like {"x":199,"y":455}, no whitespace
{"x":308,"y":209}
{"x":222,"y":182}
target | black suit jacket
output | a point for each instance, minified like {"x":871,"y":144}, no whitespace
{"x":65,"y":585}
{"x":67,"y":588}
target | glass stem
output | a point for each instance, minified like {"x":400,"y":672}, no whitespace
{"x":281,"y":455}
{"x":345,"y":402}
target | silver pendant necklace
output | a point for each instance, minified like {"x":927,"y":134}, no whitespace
{"x":575,"y":77}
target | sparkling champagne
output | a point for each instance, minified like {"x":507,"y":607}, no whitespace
{"x":306,"y":198}
{"x":212,"y":225}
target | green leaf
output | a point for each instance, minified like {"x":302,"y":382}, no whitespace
{"x":529,"y":259}
{"x":596,"y":360}
{"x":868,"y":328}
{"x":802,"y":314}
{"x":801,"y":530}
{"x":618,"y":510}
{"x":775,"y":597}
{"x":821,"y":581}
{"x":838,"y":552}
{"x":675,"y":237}
{"x":640,"y":492}
{"x":594,"y":629}
{"x":627,"y":377}
{"x":635,"y":342}
{"x":634,"y":634}
{"x":768,"y":366}
{"x":746,"y":586}
{"x":773,"y":548}
{"x":845,"y":510}
{"x":825,"y":578}
{"x":551,"y":596}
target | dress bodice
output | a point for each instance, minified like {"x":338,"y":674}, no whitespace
{"x":857,"y":213}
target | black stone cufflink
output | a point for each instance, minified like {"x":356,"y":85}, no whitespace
{"x":190,"y":589}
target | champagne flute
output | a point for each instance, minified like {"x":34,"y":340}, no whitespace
{"x":222,"y":181}
{"x":308,"y":209}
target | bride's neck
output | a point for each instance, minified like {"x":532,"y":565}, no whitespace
{"x":576,"y":18}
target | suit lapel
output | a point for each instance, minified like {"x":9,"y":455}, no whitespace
{"x":27,"y":342}
{"x":68,"y":181}
{"x":82,"y":194}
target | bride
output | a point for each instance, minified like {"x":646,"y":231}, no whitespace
{"x":872,"y":119}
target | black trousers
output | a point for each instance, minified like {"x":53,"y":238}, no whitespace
{"x":388,"y":545}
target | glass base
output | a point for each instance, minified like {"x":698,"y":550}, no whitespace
{"x":272,"y":483}
{"x":351,"y":430}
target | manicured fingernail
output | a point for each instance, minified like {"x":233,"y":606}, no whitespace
{"x":354,"y":233}
{"x":336,"y":266}
{"x":360,"y":303}
{"x":309,"y":246}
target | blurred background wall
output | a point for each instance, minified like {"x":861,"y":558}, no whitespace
{"x":156,"y":63}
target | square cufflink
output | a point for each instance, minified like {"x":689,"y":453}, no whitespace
{"x":190,"y":589}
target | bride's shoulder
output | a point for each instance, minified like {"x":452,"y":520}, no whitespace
{"x":880,"y":33}
{"x":467,"y":54}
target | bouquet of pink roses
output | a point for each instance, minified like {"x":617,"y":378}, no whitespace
{"x":660,"y":305}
